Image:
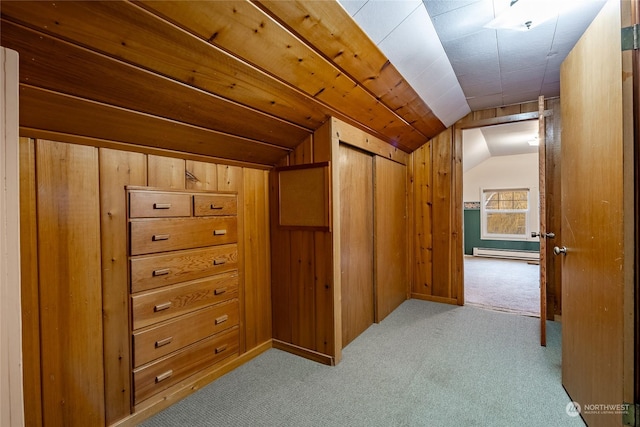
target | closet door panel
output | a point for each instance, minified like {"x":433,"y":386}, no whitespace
{"x":392,"y":281}
{"x":356,"y":241}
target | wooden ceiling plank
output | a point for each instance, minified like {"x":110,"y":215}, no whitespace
{"x":94,"y":76}
{"x":328,"y":28}
{"x":145,"y":40}
{"x":246,"y":30}
{"x":52,"y":111}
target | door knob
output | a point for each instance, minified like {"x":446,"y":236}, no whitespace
{"x":558,"y":251}
{"x":547,"y":235}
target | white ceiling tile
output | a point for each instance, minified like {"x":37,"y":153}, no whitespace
{"x":550,"y":89}
{"x":352,"y":6}
{"x":413,"y":45}
{"x":381,"y":17}
{"x":462,"y":21}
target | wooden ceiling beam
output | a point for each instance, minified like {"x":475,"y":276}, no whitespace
{"x":90,"y":75}
{"x":131,"y":34}
{"x":51,"y":111}
{"x":328,"y":28}
{"x":253,"y":36}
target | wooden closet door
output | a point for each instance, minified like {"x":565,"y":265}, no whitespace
{"x":392,"y":278}
{"x":356,"y":241}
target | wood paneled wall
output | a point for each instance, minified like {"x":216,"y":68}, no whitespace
{"x":75,"y":289}
{"x":306,"y":282}
{"x":435,"y":176}
{"x":303,"y":292}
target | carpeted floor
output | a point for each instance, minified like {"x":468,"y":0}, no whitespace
{"x":426,"y":364}
{"x":503,"y":285}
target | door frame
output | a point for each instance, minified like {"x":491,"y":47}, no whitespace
{"x":630,"y":15}
{"x":551,"y":135}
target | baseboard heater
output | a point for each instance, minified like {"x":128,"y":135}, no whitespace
{"x":506,"y":253}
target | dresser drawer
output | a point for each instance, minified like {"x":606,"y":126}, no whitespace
{"x":152,"y":204}
{"x":165,"y":338}
{"x":171,"y":234}
{"x":162,"y":304}
{"x":215,"y":204}
{"x":153,"y":271}
{"x":165,"y":372}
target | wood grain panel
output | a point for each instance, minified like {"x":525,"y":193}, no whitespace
{"x":356,"y":242}
{"x":442,"y":193}
{"x":117,"y":169}
{"x":257,"y":296}
{"x":390,"y":207}
{"x":302,"y":295}
{"x":423,"y":217}
{"x":298,"y":65}
{"x":51,"y":111}
{"x":70,"y":285}
{"x":329,"y":29}
{"x":165,"y":172}
{"x":159,"y":375}
{"x":554,"y":207}
{"x":280,"y":269}
{"x":231,"y":178}
{"x":95,"y":76}
{"x":201,"y":175}
{"x":29,"y":293}
{"x":161,"y":304}
{"x":150,"y":42}
{"x":171,"y":234}
{"x":592,"y":211}
{"x":357,"y":138}
{"x":167,"y":337}
{"x":154,"y":271}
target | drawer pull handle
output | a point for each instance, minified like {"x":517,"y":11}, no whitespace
{"x":162,"y":206}
{"x":219,"y":261}
{"x":164,"y":376}
{"x":163,"y":342}
{"x":161,"y":272}
{"x":219,"y":232}
{"x":163,"y":306}
{"x":221,"y":349}
{"x":215,"y":207}
{"x":157,"y":237}
{"x":219,"y":291}
{"x":222,"y":319}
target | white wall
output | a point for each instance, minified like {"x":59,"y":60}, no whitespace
{"x":520,"y":171}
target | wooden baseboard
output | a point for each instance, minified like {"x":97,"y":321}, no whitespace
{"x":304,"y":352}
{"x":432,"y":298}
{"x":192,"y":384}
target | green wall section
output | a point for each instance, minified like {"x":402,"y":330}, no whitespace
{"x":472,"y":236}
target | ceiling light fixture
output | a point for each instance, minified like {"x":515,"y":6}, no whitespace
{"x":523,"y":15}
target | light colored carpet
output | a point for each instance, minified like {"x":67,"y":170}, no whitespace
{"x":426,"y":364}
{"x":503,"y":285}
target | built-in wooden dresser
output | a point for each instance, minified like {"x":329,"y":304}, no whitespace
{"x":183,"y":270}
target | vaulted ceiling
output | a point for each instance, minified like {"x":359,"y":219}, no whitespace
{"x":237,"y":80}
{"x":457,"y":64}
{"x":249,"y":80}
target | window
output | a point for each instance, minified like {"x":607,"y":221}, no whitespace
{"x":505,"y":214}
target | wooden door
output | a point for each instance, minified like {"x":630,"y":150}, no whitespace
{"x":542,"y":171}
{"x":391,"y":277}
{"x":356,"y":241}
{"x":592,"y":212}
